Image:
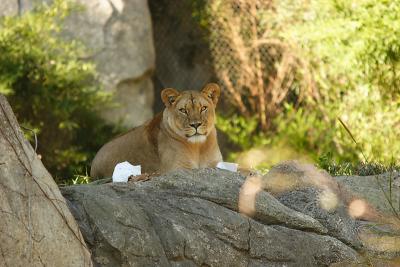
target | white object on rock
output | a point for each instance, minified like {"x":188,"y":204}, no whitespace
{"x":123,"y":170}
{"x":229,"y":166}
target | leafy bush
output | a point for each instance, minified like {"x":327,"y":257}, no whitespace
{"x":52,"y":90}
{"x":242,"y":131}
{"x":355,"y":57}
{"x":352,"y":52}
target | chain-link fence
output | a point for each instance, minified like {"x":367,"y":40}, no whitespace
{"x":239,"y":48}
{"x":257,"y":69}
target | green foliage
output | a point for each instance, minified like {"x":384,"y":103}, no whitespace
{"x":352,"y":50}
{"x":199,"y":12}
{"x":50,"y":88}
{"x":306,"y":131}
{"x":79,"y":179}
{"x":241,"y":131}
{"x":355,"y":57}
{"x":327,"y":163}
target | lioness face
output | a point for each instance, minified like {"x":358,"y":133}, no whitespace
{"x":191,"y":114}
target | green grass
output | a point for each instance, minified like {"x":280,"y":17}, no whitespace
{"x":359,"y":168}
{"x":362,"y":168}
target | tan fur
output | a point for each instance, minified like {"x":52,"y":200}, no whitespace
{"x":170,"y":140}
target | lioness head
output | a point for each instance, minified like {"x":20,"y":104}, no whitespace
{"x":191,"y":114}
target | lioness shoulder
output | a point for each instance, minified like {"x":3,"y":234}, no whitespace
{"x":183,"y":136}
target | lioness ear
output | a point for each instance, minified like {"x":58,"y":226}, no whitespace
{"x":212,"y":91}
{"x":168,"y":96}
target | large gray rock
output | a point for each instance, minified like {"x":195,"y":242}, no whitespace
{"x":314,"y":192}
{"x":381,"y":238}
{"x":361,"y":202}
{"x":119,"y":37}
{"x":8,"y":7}
{"x":382,"y":191}
{"x":119,"y":34}
{"x":36,"y":226}
{"x":337,"y":221}
{"x":191,"y":218}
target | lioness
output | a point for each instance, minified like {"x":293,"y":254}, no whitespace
{"x":183,"y":136}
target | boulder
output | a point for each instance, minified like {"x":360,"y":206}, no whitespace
{"x":207,"y":217}
{"x":119,"y":38}
{"x":36,"y":226}
{"x":381,"y":237}
{"x":314,"y":192}
{"x":337,"y":221}
{"x":8,"y":7}
{"x":377,"y":189}
{"x":368,"y":203}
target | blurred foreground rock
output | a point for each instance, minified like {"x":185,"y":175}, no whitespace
{"x":381,"y":237}
{"x":119,"y":37}
{"x":192,"y":218}
{"x":36,"y":226}
{"x":377,"y":189}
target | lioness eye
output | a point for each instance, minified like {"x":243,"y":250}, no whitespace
{"x":183,"y":110}
{"x":203,"y":108}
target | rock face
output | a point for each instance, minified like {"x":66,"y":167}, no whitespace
{"x":380,"y":238}
{"x":36,"y":226}
{"x":337,"y":221}
{"x":118,"y":34}
{"x":192,"y":218}
{"x":8,"y":8}
{"x":377,"y":189}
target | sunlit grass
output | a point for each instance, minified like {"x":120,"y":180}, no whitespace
{"x":78,"y":179}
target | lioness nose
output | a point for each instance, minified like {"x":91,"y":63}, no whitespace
{"x":195,"y":125}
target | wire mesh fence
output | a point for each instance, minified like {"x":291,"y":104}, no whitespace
{"x":257,"y":69}
{"x":240,"y":47}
